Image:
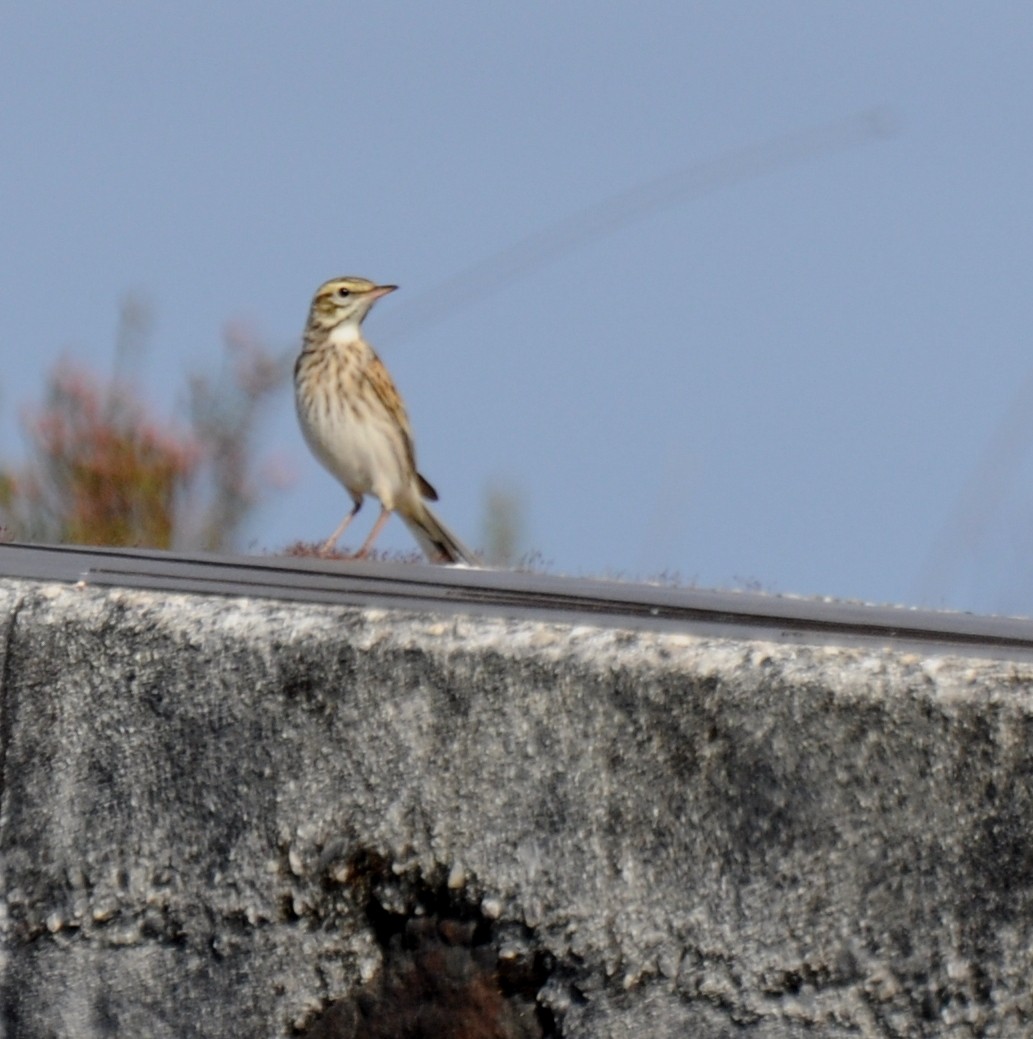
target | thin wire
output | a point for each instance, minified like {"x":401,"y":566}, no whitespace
{"x":498,"y":270}
{"x":979,"y":500}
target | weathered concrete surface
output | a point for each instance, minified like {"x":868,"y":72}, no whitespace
{"x":709,"y":838}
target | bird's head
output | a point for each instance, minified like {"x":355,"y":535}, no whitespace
{"x":344,"y":301}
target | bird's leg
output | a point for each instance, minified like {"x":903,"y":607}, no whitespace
{"x":377,"y":527}
{"x":331,"y":542}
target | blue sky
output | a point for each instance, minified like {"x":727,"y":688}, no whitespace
{"x":815,"y":380}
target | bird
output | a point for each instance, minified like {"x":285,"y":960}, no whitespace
{"x":355,"y":423}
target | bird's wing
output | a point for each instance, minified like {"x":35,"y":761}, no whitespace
{"x":383,"y":387}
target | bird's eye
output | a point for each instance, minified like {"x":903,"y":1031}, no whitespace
{"x":343,"y":292}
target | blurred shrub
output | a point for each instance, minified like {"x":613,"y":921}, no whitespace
{"x":103,"y":469}
{"x":100,"y":471}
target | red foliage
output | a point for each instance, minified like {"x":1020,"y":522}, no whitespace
{"x":102,"y":472}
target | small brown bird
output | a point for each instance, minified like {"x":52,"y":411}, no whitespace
{"x":355,"y":422}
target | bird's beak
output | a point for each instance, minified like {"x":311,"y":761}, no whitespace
{"x":381,"y":290}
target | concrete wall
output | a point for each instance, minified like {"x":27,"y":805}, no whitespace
{"x":220,"y":816}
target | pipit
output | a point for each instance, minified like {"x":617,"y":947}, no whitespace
{"x":355,"y":422}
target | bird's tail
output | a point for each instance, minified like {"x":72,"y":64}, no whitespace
{"x":439,"y":544}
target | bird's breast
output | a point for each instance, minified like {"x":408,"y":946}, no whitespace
{"x":346,"y":426}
